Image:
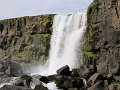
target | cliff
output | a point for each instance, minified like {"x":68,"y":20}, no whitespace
{"x":25,"y":39}
{"x":102,"y":44}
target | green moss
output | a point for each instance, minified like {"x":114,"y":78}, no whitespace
{"x":91,"y":7}
{"x":30,"y":40}
{"x":43,"y":58}
{"x":93,"y":26}
{"x":23,"y":53}
{"x":48,"y":20}
{"x":89,"y":54}
{"x":90,"y":36}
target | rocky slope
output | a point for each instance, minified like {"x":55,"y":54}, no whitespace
{"x":103,"y":34}
{"x":102,"y":45}
{"x":25,"y":39}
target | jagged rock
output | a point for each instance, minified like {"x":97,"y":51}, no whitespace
{"x":64,"y":71}
{"x":84,"y":72}
{"x":15,"y":68}
{"x":96,"y":86}
{"x":54,"y":77}
{"x":111,"y":78}
{"x":74,"y":73}
{"x":113,"y":87}
{"x":40,"y":87}
{"x":25,"y":81}
{"x":106,"y":85}
{"x":93,"y":79}
{"x":66,"y":82}
{"x":13,"y":87}
{"x":44,"y":79}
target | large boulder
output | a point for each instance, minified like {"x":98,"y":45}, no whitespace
{"x":44,"y":79}
{"x":93,"y":79}
{"x":84,"y":72}
{"x":24,"y":81}
{"x":65,"y":82}
{"x":96,"y":86}
{"x":64,"y":71}
{"x":40,"y":87}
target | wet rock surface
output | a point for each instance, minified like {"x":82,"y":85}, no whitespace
{"x":62,"y":81}
{"x":94,"y":81}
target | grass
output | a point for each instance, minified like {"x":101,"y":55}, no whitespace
{"x":89,"y":54}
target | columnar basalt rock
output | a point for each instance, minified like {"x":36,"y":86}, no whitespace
{"x":103,"y":33}
{"x":25,"y":38}
{"x":103,"y":41}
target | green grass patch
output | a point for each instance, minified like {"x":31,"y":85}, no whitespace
{"x":89,"y":54}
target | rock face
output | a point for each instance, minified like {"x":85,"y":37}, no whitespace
{"x":103,"y":35}
{"x":11,"y":69}
{"x":26,"y":38}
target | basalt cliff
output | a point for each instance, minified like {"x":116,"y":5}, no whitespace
{"x":25,"y":39}
{"x":103,"y":35}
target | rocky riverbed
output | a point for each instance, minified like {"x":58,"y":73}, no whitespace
{"x":83,"y":78}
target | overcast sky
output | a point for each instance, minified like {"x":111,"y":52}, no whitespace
{"x":18,"y":8}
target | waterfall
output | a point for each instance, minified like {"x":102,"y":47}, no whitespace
{"x":66,"y":41}
{"x":66,"y":44}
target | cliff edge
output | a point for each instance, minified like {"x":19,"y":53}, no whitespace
{"x":25,"y":39}
{"x":103,"y":35}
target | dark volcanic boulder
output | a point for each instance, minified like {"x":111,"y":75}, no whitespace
{"x":65,"y":82}
{"x":93,"y":79}
{"x":13,"y":87}
{"x":84,"y":72}
{"x":64,"y":71}
{"x":97,"y":86}
{"x":44,"y":79}
{"x":40,"y":87}
{"x":74,"y":73}
{"x":25,"y":81}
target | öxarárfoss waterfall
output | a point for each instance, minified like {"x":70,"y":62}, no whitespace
{"x":66,"y":41}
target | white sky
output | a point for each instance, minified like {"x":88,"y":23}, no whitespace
{"x":18,"y":8}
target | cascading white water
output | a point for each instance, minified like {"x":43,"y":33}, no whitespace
{"x":66,"y":41}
